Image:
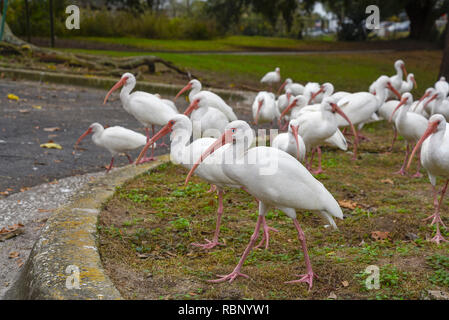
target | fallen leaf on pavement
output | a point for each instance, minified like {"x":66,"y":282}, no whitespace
{"x":380,"y":235}
{"x":53,"y":129}
{"x":24,"y":189}
{"x":13,"y":97}
{"x":13,"y":255}
{"x":37,"y":107}
{"x":348,"y":204}
{"x":51,"y":145}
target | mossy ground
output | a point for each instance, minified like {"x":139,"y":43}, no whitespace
{"x":147,"y":228}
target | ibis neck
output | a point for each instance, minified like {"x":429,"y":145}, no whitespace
{"x":381,"y":95}
{"x":96,"y":136}
{"x":125,"y":93}
{"x":179,"y":139}
{"x":193,"y":92}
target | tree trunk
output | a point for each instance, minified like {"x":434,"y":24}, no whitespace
{"x":444,"y":68}
{"x":422,"y":19}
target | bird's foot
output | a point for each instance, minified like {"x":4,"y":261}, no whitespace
{"x":213,"y":188}
{"x":230,"y":277}
{"x":208,"y":245}
{"x":417,"y":175}
{"x":436,"y":218}
{"x":307,"y":278}
{"x":438,"y":238}
{"x":163,"y":145}
{"x":317,"y":171}
{"x":266,"y":236}
{"x":401,"y":172}
{"x":147,"y":159}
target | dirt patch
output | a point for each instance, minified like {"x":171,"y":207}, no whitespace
{"x":147,"y":228}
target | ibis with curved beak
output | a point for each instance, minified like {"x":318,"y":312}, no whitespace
{"x":291,"y":142}
{"x":115,"y":139}
{"x":278,"y":180}
{"x":265,"y":108}
{"x":147,"y":108}
{"x":434,"y":145}
{"x":411,"y":126}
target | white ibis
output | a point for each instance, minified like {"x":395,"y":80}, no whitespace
{"x":408,"y":85}
{"x":442,"y":85}
{"x":360,"y":107}
{"x":312,"y":91}
{"x":396,"y":80}
{"x":295,"y":88}
{"x":411,"y":126}
{"x":147,"y":108}
{"x":291,"y":142}
{"x":316,"y":127}
{"x":271,"y":78}
{"x":327,"y":89}
{"x":284,"y":100}
{"x":385,"y":112}
{"x":265,"y":108}
{"x":288,"y":186}
{"x":211,"y":99}
{"x":422,"y":105}
{"x":115,"y":139}
{"x":207,"y":121}
{"x":184,"y":153}
{"x":168,"y":102}
{"x":434,"y":150}
{"x":441,"y":105}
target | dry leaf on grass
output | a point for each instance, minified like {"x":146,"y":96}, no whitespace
{"x":348,"y":204}
{"x":345,"y":283}
{"x":380,"y":235}
{"x":332,"y":296}
{"x":387,"y":181}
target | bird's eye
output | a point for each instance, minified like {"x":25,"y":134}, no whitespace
{"x":233,"y":130}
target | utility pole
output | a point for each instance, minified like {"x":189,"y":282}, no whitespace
{"x":52,"y":24}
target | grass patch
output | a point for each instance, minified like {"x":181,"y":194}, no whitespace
{"x":146,"y":245}
{"x":349,"y":72}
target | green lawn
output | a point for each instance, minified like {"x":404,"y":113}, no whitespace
{"x":352,"y":72}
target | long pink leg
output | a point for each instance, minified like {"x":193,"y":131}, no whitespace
{"x":436,"y":216}
{"x":320,"y":169}
{"x":110,"y":165}
{"x":213,"y":188}
{"x":402,"y":170}
{"x":236,"y":273}
{"x":418,"y":174}
{"x":308,"y":277}
{"x":394,"y":139}
{"x":211,"y":244}
{"x":309,"y":167}
{"x":265,"y":234}
{"x":129,"y":158}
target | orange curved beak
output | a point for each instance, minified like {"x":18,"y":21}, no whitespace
{"x":164,"y":131}
{"x":295,"y":134}
{"x":120,"y":83}
{"x":88,"y":131}
{"x":187,"y":87}
{"x":282,"y":87}
{"x":316,"y":94}
{"x":393,"y":89}
{"x":414,"y":82}
{"x":258,"y":111}
{"x":430,"y":100}
{"x":401,"y":103}
{"x":193,"y":106}
{"x":356,"y":139}
{"x":431,"y":128}
{"x":424,"y":96}
{"x":286,"y":110}
{"x":224,"y":139}
{"x":404,"y":70}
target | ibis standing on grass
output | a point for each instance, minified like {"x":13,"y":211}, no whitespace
{"x":115,"y":139}
{"x":184,"y":153}
{"x":278,"y":180}
{"x":271,"y":78}
{"x":147,"y":108}
{"x":434,"y":145}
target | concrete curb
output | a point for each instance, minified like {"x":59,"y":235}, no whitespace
{"x":107,"y":83}
{"x":69,"y":241}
